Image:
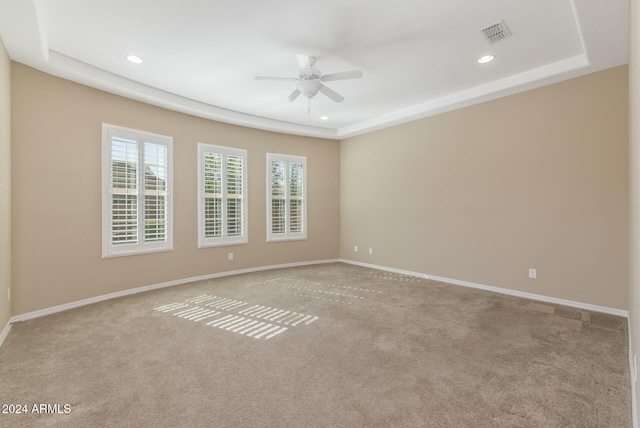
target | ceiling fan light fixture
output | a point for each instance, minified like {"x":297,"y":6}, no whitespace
{"x":309,"y":88}
{"x":486,"y":58}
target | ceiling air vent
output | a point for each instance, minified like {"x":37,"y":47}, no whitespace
{"x":495,"y":32}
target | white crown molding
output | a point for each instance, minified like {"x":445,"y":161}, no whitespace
{"x":68,"y":68}
{"x":531,"y":79}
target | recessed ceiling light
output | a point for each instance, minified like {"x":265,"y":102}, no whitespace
{"x":134,"y":59}
{"x":324,"y":117}
{"x":485,"y":59}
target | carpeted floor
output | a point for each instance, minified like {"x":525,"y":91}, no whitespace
{"x":327,"y":345}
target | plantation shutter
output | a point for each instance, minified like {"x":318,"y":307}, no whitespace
{"x":155,"y":192}
{"x":278,"y":198}
{"x":286,"y":197}
{"x":213,"y":195}
{"x":235,"y":187}
{"x":222,"y":195}
{"x":124,"y":184}
{"x":296,"y":197}
{"x":137,"y":200}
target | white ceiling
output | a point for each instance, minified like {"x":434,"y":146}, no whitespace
{"x":419,"y":57}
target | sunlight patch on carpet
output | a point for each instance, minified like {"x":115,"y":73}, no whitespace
{"x":387,"y":276}
{"x":306,"y":296}
{"x":321,"y":290}
{"x":256,"y":321}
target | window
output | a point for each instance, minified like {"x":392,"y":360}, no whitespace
{"x":136,"y":200}
{"x":286,"y":197}
{"x":222,"y":196}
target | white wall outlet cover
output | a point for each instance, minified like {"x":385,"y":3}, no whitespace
{"x":533,"y":273}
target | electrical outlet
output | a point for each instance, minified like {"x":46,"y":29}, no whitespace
{"x":230,"y":256}
{"x":355,"y":248}
{"x":370,"y":251}
{"x":533,"y":273}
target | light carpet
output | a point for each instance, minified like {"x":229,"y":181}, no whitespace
{"x":325,"y":345}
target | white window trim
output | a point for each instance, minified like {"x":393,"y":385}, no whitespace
{"x":287,"y":236}
{"x":108,"y":249}
{"x":224,"y":240}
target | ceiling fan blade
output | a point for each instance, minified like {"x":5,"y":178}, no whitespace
{"x":331,"y":94}
{"x":304,"y":62}
{"x":344,"y":75}
{"x":285,"y":79}
{"x":293,"y":95}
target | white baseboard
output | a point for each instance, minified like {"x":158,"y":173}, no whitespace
{"x":538,"y":297}
{"x":5,"y":333}
{"x":91,"y":300}
{"x":531,"y":296}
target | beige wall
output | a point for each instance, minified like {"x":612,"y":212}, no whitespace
{"x":537,"y":179}
{"x":482,"y":194}
{"x":634,"y":144}
{"x":5,"y":186}
{"x":57,"y":198}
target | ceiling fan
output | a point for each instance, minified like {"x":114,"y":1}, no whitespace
{"x":310,"y":80}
